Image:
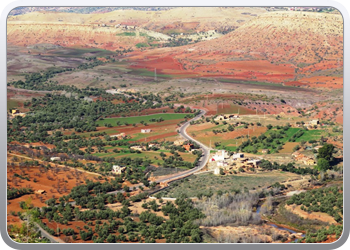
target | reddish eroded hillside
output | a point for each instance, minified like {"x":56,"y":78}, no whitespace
{"x":280,"y":47}
{"x":275,"y":47}
{"x":319,"y":82}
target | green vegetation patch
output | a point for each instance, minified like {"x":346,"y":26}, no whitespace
{"x":138,"y":119}
{"x":12,"y":104}
{"x":142,"y":45}
{"x":275,"y":138}
{"x":145,"y":72}
{"x":126,"y":34}
{"x":208,"y":184}
{"x":326,"y":200}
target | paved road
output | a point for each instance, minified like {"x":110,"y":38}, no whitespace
{"x":45,"y":234}
{"x":205,"y":156}
{"x":203,"y":161}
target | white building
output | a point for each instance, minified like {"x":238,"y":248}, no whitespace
{"x":217,"y":171}
{"x":237,"y":156}
{"x":146,"y":130}
{"x":254,"y":162}
{"x":121,"y":135}
{"x":222,"y":164}
{"x":55,"y":158}
{"x":221,"y":155}
{"x":116,"y":169}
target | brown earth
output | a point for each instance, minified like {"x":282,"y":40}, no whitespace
{"x":204,"y":134}
{"x":261,"y":232}
{"x":312,"y":216}
{"x":288,"y":147}
{"x":319,"y":81}
{"x":99,"y":31}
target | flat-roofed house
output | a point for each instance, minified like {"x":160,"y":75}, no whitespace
{"x":119,"y":136}
{"x":55,"y":158}
{"x":179,"y":142}
{"x":138,"y":148}
{"x":309,"y":162}
{"x":146,"y":130}
{"x":265,"y":151}
{"x":237,"y":156}
{"x":116,"y":169}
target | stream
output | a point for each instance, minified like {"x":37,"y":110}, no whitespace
{"x":279,"y":227}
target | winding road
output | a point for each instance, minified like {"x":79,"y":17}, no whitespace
{"x":205,"y":156}
{"x":202,"y":162}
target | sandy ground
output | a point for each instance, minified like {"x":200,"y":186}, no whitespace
{"x":313,"y":216}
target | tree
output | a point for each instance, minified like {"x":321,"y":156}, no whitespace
{"x":296,"y":148}
{"x":326,"y":152}
{"x":322,"y":165}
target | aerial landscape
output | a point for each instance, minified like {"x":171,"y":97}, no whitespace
{"x":175,"y":124}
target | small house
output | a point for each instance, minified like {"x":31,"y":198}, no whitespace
{"x":237,"y":156}
{"x":151,"y":145}
{"x":179,"y":142}
{"x":309,"y":162}
{"x":116,"y":169}
{"x":40,"y":191}
{"x":217,"y":171}
{"x":55,"y":158}
{"x":220,"y":118}
{"x":138,"y":148}
{"x":14,"y":111}
{"x":221,"y":155}
{"x":119,"y":136}
{"x":314,"y":122}
{"x":222,"y":164}
{"x":146,"y":130}
{"x":233,"y":117}
{"x":265,"y":151}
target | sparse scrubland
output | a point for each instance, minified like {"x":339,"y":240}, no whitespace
{"x":226,"y":209}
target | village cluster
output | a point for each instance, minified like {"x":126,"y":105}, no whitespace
{"x":222,"y":160}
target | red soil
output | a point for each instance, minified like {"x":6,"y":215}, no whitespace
{"x":319,"y":82}
{"x":160,"y":64}
{"x":42,"y":183}
{"x":158,"y":137}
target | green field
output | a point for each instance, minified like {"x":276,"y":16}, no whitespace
{"x":142,"y":45}
{"x":138,"y":119}
{"x":210,"y":183}
{"x":308,"y":135}
{"x":145,"y":72}
{"x":81,"y":52}
{"x":126,"y":34}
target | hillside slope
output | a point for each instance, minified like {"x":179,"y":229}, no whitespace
{"x":276,"y":47}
